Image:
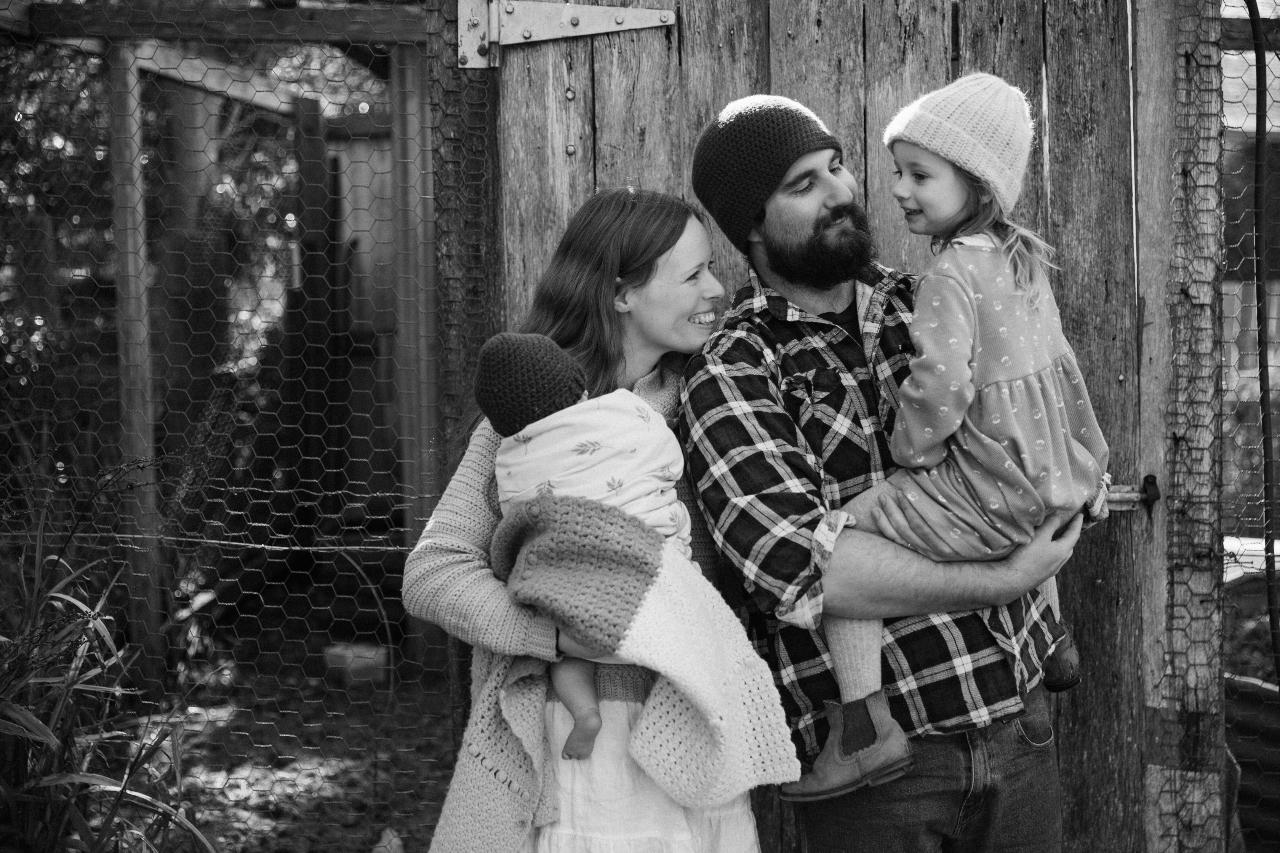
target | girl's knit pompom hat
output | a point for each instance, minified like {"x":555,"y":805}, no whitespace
{"x":980,"y":123}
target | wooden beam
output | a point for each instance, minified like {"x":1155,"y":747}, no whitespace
{"x":1178,"y":183}
{"x":1090,"y":221}
{"x":140,"y":513}
{"x":418,"y":347}
{"x":1237,"y":33}
{"x":222,"y":78}
{"x":185,"y":21}
{"x":212,"y":75}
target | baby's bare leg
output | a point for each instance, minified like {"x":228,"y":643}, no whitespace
{"x":575,"y":682}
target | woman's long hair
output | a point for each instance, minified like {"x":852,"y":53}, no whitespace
{"x":610,"y":244}
{"x":1029,"y":255}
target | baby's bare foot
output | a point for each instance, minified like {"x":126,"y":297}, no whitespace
{"x":582,"y":739}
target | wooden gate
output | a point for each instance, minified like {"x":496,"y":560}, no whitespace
{"x":1127,"y":91}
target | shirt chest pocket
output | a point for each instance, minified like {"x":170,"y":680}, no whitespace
{"x":829,"y":407}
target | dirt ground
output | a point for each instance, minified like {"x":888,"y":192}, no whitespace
{"x":289,"y":764}
{"x":295,"y":765}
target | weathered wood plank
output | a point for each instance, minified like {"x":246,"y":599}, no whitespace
{"x":1091,"y":223}
{"x":1155,"y":107}
{"x":547,"y":154}
{"x":1005,"y":37}
{"x":724,"y":54}
{"x":1178,"y":121}
{"x":909,"y":53}
{"x":200,"y":21}
{"x":1156,"y":194}
{"x":816,"y":57}
{"x":639,"y":107}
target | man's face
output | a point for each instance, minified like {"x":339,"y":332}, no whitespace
{"x":814,"y":231}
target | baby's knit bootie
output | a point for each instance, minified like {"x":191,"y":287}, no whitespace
{"x":845,"y":765}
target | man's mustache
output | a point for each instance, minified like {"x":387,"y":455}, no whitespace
{"x":852,"y":212}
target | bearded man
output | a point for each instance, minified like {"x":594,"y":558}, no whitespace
{"x":788,"y":409}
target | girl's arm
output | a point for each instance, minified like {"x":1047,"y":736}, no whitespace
{"x":447,"y":578}
{"x":936,"y":395}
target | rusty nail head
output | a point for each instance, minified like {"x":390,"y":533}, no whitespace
{"x":573,"y":22}
{"x":527,"y":34}
{"x":618,"y":19}
{"x":571,"y":150}
{"x":510,"y":9}
{"x":569,"y":94}
{"x":483,"y":50}
{"x":462,"y":59}
{"x":664,"y":17}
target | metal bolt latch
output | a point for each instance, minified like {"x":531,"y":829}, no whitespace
{"x":1149,"y":493}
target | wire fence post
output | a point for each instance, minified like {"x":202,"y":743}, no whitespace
{"x":139,"y":517}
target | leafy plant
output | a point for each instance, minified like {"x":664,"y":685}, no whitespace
{"x":75,"y":771}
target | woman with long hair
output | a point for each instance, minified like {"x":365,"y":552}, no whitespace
{"x":629,"y":293}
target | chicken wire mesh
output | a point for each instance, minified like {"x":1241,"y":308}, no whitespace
{"x":210,"y":469}
{"x":1251,"y":188}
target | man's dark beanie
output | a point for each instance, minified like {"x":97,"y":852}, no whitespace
{"x":743,"y":154}
{"x":522,"y":378}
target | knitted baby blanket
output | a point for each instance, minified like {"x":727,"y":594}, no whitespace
{"x":713,"y":725}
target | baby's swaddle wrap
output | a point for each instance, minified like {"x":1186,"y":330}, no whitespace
{"x":713,"y":725}
{"x":614,"y":448}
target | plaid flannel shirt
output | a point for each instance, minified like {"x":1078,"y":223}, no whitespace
{"x":786,"y":417}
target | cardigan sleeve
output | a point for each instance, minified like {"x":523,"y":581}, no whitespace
{"x":447,"y":577}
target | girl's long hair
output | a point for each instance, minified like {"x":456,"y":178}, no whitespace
{"x":1029,"y":255}
{"x":610,"y":244}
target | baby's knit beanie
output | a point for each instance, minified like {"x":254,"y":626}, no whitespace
{"x":742,"y":155}
{"x":522,"y":378}
{"x":980,"y":123}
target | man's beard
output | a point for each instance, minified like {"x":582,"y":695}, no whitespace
{"x":825,"y":258}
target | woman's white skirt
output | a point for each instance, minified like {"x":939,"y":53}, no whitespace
{"x":609,"y":805}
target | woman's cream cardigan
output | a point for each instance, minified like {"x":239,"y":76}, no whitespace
{"x":496,"y":796}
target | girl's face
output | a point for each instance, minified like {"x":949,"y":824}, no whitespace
{"x":675,"y":310}
{"x":932,"y":194}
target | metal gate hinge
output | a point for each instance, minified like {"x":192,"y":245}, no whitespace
{"x":485,"y":26}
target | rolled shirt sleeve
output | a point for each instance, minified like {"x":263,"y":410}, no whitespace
{"x":760,"y":484}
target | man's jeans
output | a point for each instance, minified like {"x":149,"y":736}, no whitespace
{"x":992,"y":789}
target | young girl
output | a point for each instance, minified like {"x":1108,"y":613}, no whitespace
{"x":994,"y":429}
{"x":629,"y":285}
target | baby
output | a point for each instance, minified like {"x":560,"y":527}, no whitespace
{"x":615,"y":449}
